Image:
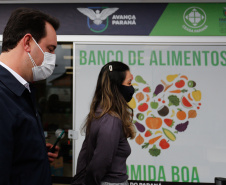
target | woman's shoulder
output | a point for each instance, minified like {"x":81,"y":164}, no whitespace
{"x":108,"y":115}
{"x":113,"y":117}
{"x":110,"y":124}
{"x":108,"y":121}
{"x":108,"y":118}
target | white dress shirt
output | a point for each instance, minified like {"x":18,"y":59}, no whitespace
{"x":18,"y":77}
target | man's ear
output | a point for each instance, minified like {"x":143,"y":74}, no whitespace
{"x":26,"y":41}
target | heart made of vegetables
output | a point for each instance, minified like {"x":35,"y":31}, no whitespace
{"x":162,"y":113}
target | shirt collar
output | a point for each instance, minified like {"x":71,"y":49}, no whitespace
{"x":18,"y":77}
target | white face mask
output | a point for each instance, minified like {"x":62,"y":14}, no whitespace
{"x":46,"y":69}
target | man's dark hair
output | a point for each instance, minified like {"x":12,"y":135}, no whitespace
{"x":23,"y":21}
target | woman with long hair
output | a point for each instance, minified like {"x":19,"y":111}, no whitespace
{"x":102,"y":159}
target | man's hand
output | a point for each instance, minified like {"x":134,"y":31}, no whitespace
{"x":52,"y":156}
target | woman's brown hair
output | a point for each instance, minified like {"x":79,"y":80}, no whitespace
{"x":107,"y":96}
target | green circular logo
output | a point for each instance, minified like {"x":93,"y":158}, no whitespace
{"x":194,"y":17}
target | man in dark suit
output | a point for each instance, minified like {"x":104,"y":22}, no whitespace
{"x":29,"y":41}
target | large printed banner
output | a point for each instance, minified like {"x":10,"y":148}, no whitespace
{"x":179,"y":107}
{"x":155,"y":19}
